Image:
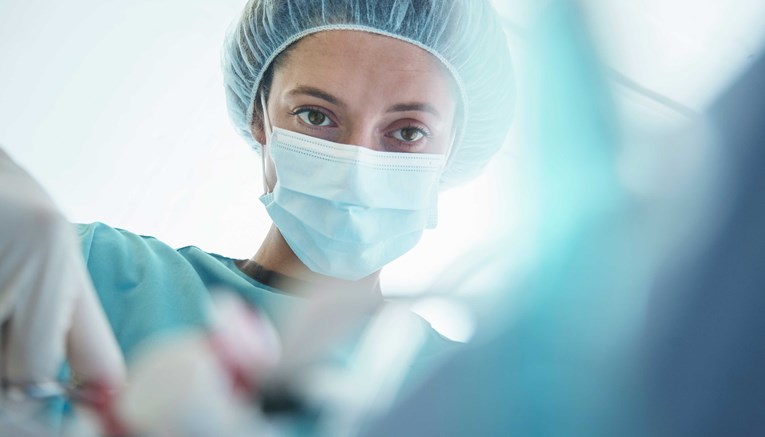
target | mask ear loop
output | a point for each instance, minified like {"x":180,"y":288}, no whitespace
{"x":263,"y":147}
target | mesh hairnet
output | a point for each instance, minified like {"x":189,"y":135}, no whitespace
{"x":465,"y":35}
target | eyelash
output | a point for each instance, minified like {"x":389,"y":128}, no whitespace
{"x":304,"y":109}
{"x":426,"y":134}
{"x":411,"y":144}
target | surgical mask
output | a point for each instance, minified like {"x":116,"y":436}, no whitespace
{"x":345,"y":210}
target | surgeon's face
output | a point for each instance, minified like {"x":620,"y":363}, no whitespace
{"x":363,"y":89}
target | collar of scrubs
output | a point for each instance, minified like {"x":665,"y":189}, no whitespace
{"x":284,"y":283}
{"x":271,"y":278}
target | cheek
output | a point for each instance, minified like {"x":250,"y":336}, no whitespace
{"x":454,"y":127}
{"x":443,"y":146}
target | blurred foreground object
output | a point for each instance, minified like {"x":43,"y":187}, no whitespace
{"x":559,"y":362}
{"x":48,"y":308}
{"x":705,"y":337}
{"x":197,"y":383}
{"x":642,"y":315}
{"x":341,"y":358}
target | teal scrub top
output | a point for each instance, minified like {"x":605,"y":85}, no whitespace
{"x":147,"y":288}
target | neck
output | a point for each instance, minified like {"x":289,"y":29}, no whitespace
{"x":276,"y":255}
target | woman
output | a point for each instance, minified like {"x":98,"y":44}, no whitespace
{"x":337,"y":92}
{"x":362,"y":111}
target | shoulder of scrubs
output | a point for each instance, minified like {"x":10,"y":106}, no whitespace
{"x":146,"y":287}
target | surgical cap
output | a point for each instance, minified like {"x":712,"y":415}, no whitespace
{"x":465,"y":35}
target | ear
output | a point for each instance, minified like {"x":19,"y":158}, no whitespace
{"x":258,"y":133}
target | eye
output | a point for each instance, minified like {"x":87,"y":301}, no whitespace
{"x":409,"y":134}
{"x":313,"y":117}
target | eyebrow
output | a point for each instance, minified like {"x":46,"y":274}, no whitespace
{"x":400,"y":107}
{"x":424,"y":107}
{"x":315,"y":92}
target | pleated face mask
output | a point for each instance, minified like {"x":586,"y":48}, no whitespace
{"x":346,"y":211}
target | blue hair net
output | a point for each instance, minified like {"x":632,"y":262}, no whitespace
{"x":465,"y":35}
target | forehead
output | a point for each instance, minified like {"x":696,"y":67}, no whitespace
{"x":363,"y":65}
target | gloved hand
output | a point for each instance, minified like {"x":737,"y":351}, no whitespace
{"x":48,"y":307}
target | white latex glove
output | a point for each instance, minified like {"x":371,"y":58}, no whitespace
{"x":48,"y":308}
